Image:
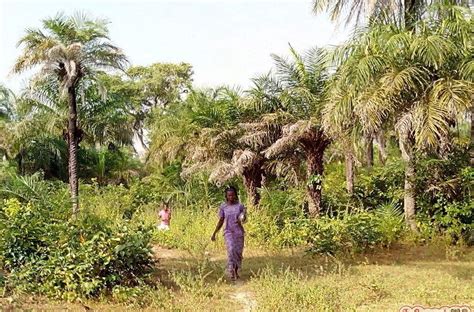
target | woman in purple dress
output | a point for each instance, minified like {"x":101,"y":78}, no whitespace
{"x":233,"y":214}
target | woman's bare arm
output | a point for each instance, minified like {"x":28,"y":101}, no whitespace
{"x":218,"y":227}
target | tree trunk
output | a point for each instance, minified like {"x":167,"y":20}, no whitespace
{"x":315,"y":182}
{"x":72,"y":137}
{"x":471,"y":147}
{"x":253,"y":178}
{"x":409,"y":188}
{"x":20,"y":161}
{"x":409,"y":197}
{"x":381,"y":147}
{"x":349,"y":162}
{"x":369,"y":150}
{"x":295,"y":164}
{"x":314,"y":144}
{"x":411,"y":13}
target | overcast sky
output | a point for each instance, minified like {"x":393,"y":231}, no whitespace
{"x":226,"y":41}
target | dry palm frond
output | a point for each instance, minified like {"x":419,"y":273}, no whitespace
{"x":223,"y":137}
{"x":244,"y":159}
{"x":222,"y":172}
{"x":193,"y":168}
{"x":257,"y":139}
{"x":290,"y":137}
{"x":283,"y":170}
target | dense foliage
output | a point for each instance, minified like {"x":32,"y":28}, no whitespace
{"x":46,"y":252}
{"x":299,"y":144}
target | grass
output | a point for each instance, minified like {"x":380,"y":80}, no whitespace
{"x":189,"y":275}
{"x":288,"y":280}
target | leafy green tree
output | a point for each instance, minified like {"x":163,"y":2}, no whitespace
{"x":142,"y":89}
{"x":69,"y":49}
{"x":300,"y":89}
{"x":420,"y":81}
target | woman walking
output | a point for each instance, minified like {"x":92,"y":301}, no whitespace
{"x":233,"y":214}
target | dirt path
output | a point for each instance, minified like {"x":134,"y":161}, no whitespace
{"x":239,"y":291}
{"x":243,"y":297}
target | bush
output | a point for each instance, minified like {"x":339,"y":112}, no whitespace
{"x":381,"y":185}
{"x":445,"y":187}
{"x":355,"y":232}
{"x":68,"y":259}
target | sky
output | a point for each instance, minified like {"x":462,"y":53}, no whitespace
{"x":227,"y":42}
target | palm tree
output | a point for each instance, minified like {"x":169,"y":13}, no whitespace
{"x":7,"y":98}
{"x":301,"y":91}
{"x":403,"y":12}
{"x":225,"y":147}
{"x":69,"y":49}
{"x":416,"y":80}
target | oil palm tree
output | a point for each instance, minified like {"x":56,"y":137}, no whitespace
{"x":420,"y":81}
{"x":222,"y":146}
{"x":69,"y":49}
{"x":301,"y":92}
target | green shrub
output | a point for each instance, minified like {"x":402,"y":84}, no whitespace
{"x":390,"y":224}
{"x":381,"y":185}
{"x":363,"y":231}
{"x":445,"y":188}
{"x":70,"y":258}
{"x":327,"y":236}
{"x":25,"y":230}
{"x":355,"y":232}
{"x":282,"y":205}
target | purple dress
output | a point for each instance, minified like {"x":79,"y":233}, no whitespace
{"x":233,"y":234}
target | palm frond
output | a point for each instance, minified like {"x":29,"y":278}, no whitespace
{"x":289,"y":139}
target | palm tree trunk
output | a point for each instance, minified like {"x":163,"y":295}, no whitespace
{"x":253,"y":178}
{"x":20,"y":161}
{"x":381,"y":147}
{"x":409,"y":187}
{"x":409,"y":197}
{"x":471,"y":147}
{"x":349,"y":162}
{"x":314,"y":187}
{"x":72,"y":146}
{"x":314,"y":144}
{"x":408,"y":14}
{"x":369,"y":150}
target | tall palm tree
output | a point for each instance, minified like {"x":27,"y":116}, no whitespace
{"x":340,"y":122}
{"x":418,"y":81}
{"x":69,"y":48}
{"x":302,"y":84}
